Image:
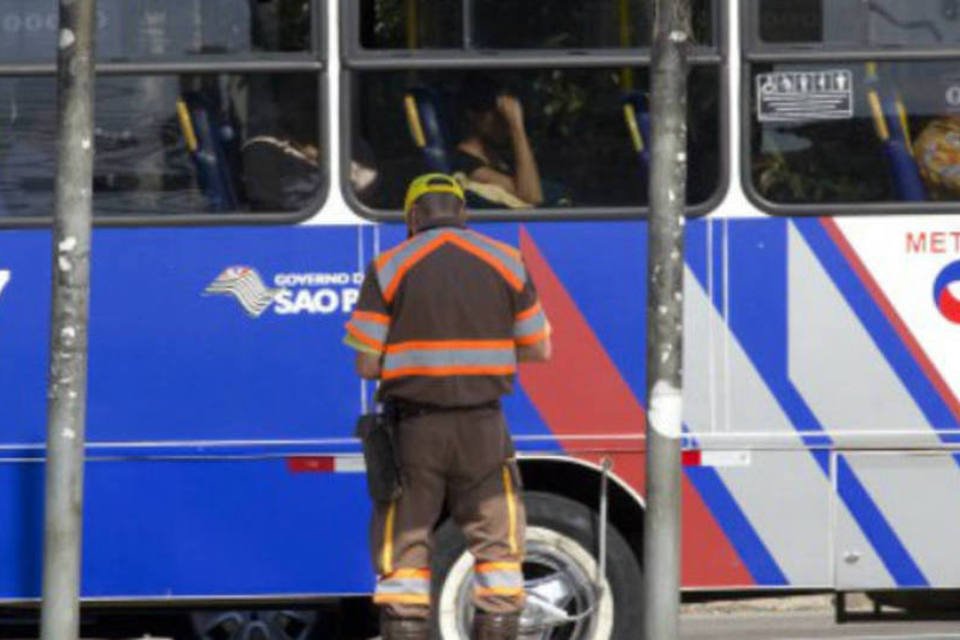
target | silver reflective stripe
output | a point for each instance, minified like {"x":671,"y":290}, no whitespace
{"x":437,"y":358}
{"x":511,"y":263}
{"x":373,"y":330}
{"x":388,"y":271}
{"x":412,"y":586}
{"x":499,"y":580}
{"x":530,"y":326}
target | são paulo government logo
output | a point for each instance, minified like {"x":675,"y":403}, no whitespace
{"x":288,"y":293}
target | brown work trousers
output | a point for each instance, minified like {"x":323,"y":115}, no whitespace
{"x":466,"y":459}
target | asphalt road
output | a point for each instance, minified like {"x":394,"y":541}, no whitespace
{"x":810,"y":626}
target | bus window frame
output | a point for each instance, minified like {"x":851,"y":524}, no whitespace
{"x":310,"y":61}
{"x":754,"y":51}
{"x":355,"y":59}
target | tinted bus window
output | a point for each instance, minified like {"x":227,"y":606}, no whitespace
{"x":888,"y":23}
{"x":169,"y":145}
{"x":509,"y":24}
{"x":147,"y":29}
{"x":573,"y":118}
{"x":900,"y":139}
{"x":836,"y":129}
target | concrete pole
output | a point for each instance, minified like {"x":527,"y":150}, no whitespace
{"x":67,"y":385}
{"x":668,"y":178}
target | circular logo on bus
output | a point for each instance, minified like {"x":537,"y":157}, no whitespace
{"x":946,"y":292}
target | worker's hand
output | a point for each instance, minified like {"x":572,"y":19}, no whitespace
{"x":511,"y":110}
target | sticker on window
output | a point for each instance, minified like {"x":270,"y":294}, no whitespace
{"x":951,"y":93}
{"x":802,"y":96}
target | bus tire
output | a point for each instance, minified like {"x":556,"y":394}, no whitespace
{"x":561,"y":541}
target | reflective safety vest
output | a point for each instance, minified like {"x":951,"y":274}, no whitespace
{"x":447,"y":310}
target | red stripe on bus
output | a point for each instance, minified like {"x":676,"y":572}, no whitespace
{"x":311,"y":464}
{"x":881,"y":300}
{"x":582,"y":386}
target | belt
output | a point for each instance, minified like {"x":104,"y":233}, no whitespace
{"x":404,"y":409}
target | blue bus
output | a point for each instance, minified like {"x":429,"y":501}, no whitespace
{"x":251,"y":157}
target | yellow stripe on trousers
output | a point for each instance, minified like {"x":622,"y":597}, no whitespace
{"x":511,"y":510}
{"x":386,"y":559}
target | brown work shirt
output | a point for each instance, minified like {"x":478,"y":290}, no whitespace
{"x":446,"y":311}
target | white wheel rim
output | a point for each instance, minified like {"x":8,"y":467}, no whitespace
{"x":453,"y":602}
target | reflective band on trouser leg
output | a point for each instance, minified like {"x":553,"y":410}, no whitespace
{"x":445,"y":358}
{"x":503,"y":579}
{"x":530,"y":326}
{"x":386,"y":553}
{"x":404,"y":586}
{"x":511,"y":510}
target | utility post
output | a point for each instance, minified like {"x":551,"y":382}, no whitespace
{"x":668,"y":182}
{"x":67,"y":384}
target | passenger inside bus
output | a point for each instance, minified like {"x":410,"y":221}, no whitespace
{"x":899,"y":138}
{"x":495,"y":150}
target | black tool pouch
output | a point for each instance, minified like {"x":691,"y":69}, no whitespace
{"x":378,"y":433}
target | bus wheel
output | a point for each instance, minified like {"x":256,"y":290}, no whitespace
{"x":253,"y":625}
{"x":559,"y":571}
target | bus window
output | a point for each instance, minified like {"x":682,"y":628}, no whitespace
{"x":573,"y":119}
{"x":168,"y":145}
{"x":150,"y":29}
{"x":215,"y":141}
{"x":508,"y":24}
{"x":887,"y":23}
{"x":469,"y":114}
{"x":839,"y":128}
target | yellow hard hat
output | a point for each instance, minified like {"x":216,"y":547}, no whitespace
{"x":430,"y":183}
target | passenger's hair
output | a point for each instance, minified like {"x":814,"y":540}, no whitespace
{"x":479,"y":92}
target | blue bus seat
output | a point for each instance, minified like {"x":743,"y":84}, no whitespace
{"x":636,"y":114}
{"x":892,"y":127}
{"x":210,"y":139}
{"x":427,"y":124}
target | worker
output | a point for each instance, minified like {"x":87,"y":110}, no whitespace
{"x":442,"y":321}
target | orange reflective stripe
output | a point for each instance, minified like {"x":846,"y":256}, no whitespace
{"x":386,"y":558}
{"x":410,"y":262}
{"x":487,"y":567}
{"x":409,"y":573}
{"x":511,"y":511}
{"x":526,"y":341}
{"x":401,"y":598}
{"x":479,"y":370}
{"x":371,"y":316}
{"x":362,"y":338}
{"x":503,"y":246}
{"x":498,"y":266}
{"x":529,"y":313}
{"x":385,"y":257}
{"x":446,"y":345}
{"x":498,"y":591}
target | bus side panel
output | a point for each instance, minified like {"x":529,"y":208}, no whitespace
{"x":196,"y":528}
{"x":174,"y":359}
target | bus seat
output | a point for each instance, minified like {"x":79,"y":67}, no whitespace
{"x":892,"y":127}
{"x":204,"y":134}
{"x":427,"y":127}
{"x":636,"y":114}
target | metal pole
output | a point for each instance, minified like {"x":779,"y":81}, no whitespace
{"x":67,"y":385}
{"x":668,"y":177}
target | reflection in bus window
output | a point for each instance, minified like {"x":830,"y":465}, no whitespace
{"x":897,"y":23}
{"x":168,"y":145}
{"x":900,"y":141}
{"x":573,"y":118}
{"x":509,"y":24}
{"x":145,"y":29}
